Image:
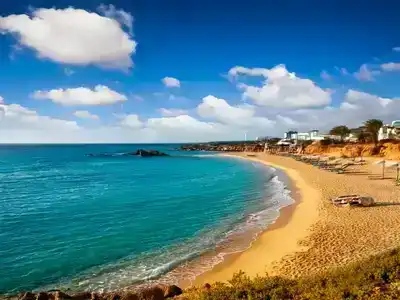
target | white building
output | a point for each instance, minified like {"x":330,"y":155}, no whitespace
{"x":312,"y":135}
{"x":390,"y":131}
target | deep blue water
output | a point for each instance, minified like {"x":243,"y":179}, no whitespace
{"x":106,"y":222}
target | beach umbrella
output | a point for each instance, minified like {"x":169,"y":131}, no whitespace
{"x":397,"y":165}
{"x":382,"y":162}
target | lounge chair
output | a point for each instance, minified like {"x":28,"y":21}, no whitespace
{"x":341,"y":169}
{"x":353,"y":200}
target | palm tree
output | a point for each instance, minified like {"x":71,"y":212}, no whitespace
{"x":341,"y":131}
{"x":373,"y":126}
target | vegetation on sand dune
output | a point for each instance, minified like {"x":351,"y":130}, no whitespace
{"x":375,"y":278}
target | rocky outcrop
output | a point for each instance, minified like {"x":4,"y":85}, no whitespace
{"x":220,"y":147}
{"x":149,"y":153}
{"x":158,"y":292}
{"x":139,"y":152}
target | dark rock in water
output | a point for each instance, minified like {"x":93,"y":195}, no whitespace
{"x":140,"y":152}
{"x":172,"y":291}
{"x":149,"y":153}
{"x":27,"y":296}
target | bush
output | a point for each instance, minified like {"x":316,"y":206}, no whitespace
{"x":375,"y":278}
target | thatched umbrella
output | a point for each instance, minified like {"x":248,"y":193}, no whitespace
{"x":397,"y":165}
{"x":382,"y":162}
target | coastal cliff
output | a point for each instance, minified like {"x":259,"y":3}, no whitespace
{"x":384,"y":150}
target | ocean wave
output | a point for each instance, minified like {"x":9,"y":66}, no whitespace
{"x":190,"y":258}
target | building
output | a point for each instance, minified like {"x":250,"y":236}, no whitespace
{"x":290,"y":135}
{"x":390,"y":131}
{"x":355,"y":133}
{"x":312,"y":135}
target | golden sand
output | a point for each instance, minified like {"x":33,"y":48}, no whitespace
{"x":312,"y":235}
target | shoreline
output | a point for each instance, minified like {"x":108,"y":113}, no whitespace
{"x":280,"y":239}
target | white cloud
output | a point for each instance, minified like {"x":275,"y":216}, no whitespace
{"x":325,"y":75}
{"x":172,"y":112}
{"x":282,"y":89}
{"x":72,"y":36}
{"x":241,"y":115}
{"x":396,"y":49}
{"x":131,"y":121}
{"x":14,"y":117}
{"x":183,"y":122}
{"x":390,"y":66}
{"x":69,"y":72}
{"x":100,"y":95}
{"x":365,"y":74}
{"x":171,"y":82}
{"x":120,"y":15}
{"x":1,"y":100}
{"x":287,"y":121}
{"x":84,"y":114}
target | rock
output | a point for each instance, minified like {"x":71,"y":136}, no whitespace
{"x":129,"y":296}
{"x":28,"y":296}
{"x":224,"y":147}
{"x":149,"y":153}
{"x":60,"y":296}
{"x":171,"y":291}
{"x":82,"y":296}
{"x":44,"y":296}
{"x":207,"y":286}
{"x":95,"y":296}
{"x":153,"y":293}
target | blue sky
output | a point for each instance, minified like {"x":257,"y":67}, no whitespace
{"x":317,"y":48}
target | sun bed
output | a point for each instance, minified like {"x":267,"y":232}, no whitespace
{"x":353,"y":200}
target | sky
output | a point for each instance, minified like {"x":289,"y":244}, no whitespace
{"x":147,"y":71}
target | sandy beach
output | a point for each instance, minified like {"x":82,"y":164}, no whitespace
{"x":312,"y":235}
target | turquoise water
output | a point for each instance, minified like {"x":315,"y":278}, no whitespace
{"x":73,"y":221}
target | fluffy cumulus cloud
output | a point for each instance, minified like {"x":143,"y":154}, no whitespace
{"x":171,"y":82}
{"x":172,"y":112}
{"x":123,"y":17}
{"x":1,"y":100}
{"x":390,"y":67}
{"x":365,"y":73}
{"x":100,"y":95}
{"x":74,"y":36}
{"x":220,"y":110}
{"x":131,"y":121}
{"x":84,"y":114}
{"x":19,"y":124}
{"x":282,"y":89}
{"x":355,"y":108}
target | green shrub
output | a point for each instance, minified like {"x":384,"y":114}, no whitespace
{"x":375,"y":278}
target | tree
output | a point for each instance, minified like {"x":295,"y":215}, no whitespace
{"x":341,"y":131}
{"x":372,"y":127}
{"x":362,"y":137}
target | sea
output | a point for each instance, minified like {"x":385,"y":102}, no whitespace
{"x":88,"y":217}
